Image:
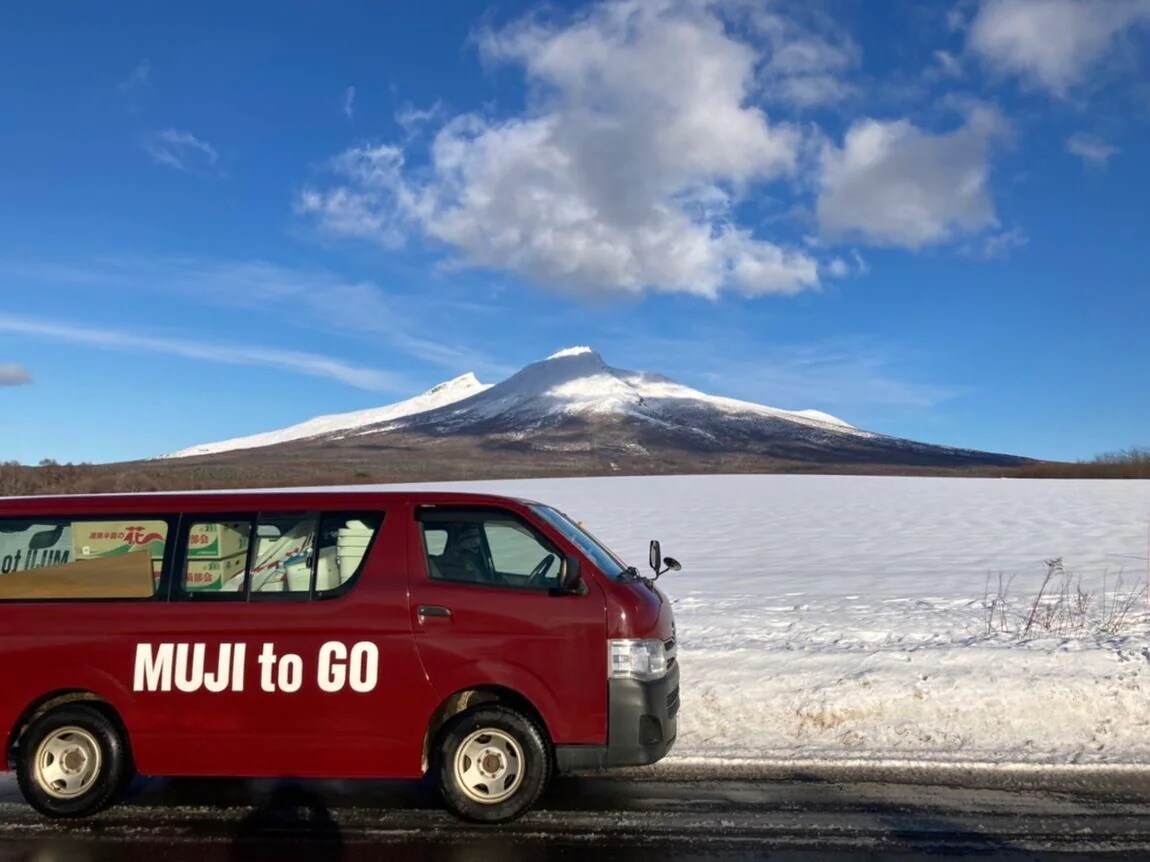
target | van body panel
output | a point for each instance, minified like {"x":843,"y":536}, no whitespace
{"x":151,"y":659}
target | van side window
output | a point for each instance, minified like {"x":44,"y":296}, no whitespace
{"x":344,"y":540}
{"x":82,"y":558}
{"x":487,"y":547}
{"x":284,"y":554}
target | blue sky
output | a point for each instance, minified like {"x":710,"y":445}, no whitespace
{"x":926,"y":218}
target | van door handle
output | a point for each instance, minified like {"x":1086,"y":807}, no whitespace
{"x":425,"y":611}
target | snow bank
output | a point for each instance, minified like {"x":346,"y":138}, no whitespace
{"x":839,"y":618}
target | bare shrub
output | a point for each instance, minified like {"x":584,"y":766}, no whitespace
{"x":1062,"y":607}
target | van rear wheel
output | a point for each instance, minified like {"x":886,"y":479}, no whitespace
{"x":493,"y":764}
{"x":71,"y":762}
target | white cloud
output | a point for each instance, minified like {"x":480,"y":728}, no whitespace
{"x":640,"y":123}
{"x":1001,"y":244}
{"x":948,"y":64}
{"x":312,"y":364}
{"x":413,"y":120}
{"x":806,"y":62}
{"x":14,"y":375}
{"x":894,"y":184}
{"x":1052,"y":43}
{"x":348,"y":103}
{"x":140,"y":77}
{"x":842,"y":268}
{"x":1094,"y":152}
{"x":181,"y":150}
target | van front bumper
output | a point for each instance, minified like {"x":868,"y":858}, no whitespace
{"x":642,"y":726}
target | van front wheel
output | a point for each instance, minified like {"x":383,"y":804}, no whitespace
{"x":71,"y":762}
{"x":493,"y":764}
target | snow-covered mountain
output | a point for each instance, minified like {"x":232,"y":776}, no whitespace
{"x":574,"y":407}
{"x":438,"y":396}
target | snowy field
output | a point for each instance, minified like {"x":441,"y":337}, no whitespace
{"x":841,"y":619}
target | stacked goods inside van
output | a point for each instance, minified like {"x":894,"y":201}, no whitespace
{"x":59,"y":558}
{"x":217,"y":555}
{"x":102,"y":539}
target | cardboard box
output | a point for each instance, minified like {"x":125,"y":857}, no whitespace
{"x":203,"y":575}
{"x":218,"y":541}
{"x":119,"y":576}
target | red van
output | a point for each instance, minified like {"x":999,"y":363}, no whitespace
{"x":487,"y":641}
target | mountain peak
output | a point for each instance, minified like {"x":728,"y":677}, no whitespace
{"x":463,"y":381}
{"x":582,"y":350}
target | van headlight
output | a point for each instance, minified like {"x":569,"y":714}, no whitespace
{"x":636,"y":659}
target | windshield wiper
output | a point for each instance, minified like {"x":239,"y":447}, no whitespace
{"x":630,"y":572}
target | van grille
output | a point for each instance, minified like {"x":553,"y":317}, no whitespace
{"x":673,"y":703}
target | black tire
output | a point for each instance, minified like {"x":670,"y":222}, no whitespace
{"x":97,"y":763}
{"x":515,"y":751}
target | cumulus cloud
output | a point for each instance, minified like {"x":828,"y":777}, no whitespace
{"x":1052,"y":44}
{"x":14,"y":375}
{"x":624,"y":174}
{"x":892,"y":183}
{"x":1094,"y":152}
{"x":181,"y":150}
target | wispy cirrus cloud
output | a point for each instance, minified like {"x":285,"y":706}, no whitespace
{"x":12,"y":374}
{"x":347,"y":103}
{"x":1094,"y":152}
{"x":840,"y":375}
{"x":311,"y":364}
{"x":856,"y":378}
{"x":183,"y":151}
{"x":140,"y":77}
{"x":312,"y":298}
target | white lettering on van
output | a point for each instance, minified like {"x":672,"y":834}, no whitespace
{"x":190,"y":675}
{"x":191,"y":667}
{"x":332,"y":666}
{"x":290,"y":673}
{"x":153,"y":670}
{"x":229,"y":670}
{"x":364,"y":666}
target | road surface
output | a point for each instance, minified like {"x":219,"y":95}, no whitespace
{"x":828,"y":814}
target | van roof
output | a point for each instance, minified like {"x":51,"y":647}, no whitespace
{"x":244,"y":498}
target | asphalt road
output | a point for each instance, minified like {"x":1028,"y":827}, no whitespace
{"x":830,"y":814}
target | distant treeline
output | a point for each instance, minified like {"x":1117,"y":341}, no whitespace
{"x":1125,"y":464}
{"x":50,"y":477}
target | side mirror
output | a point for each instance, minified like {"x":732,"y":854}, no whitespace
{"x":571,"y":579}
{"x":672,"y":564}
{"x":656,"y":556}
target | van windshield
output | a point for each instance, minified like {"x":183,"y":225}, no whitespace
{"x":602,"y":556}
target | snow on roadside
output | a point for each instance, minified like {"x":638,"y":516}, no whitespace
{"x":839,"y":618}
